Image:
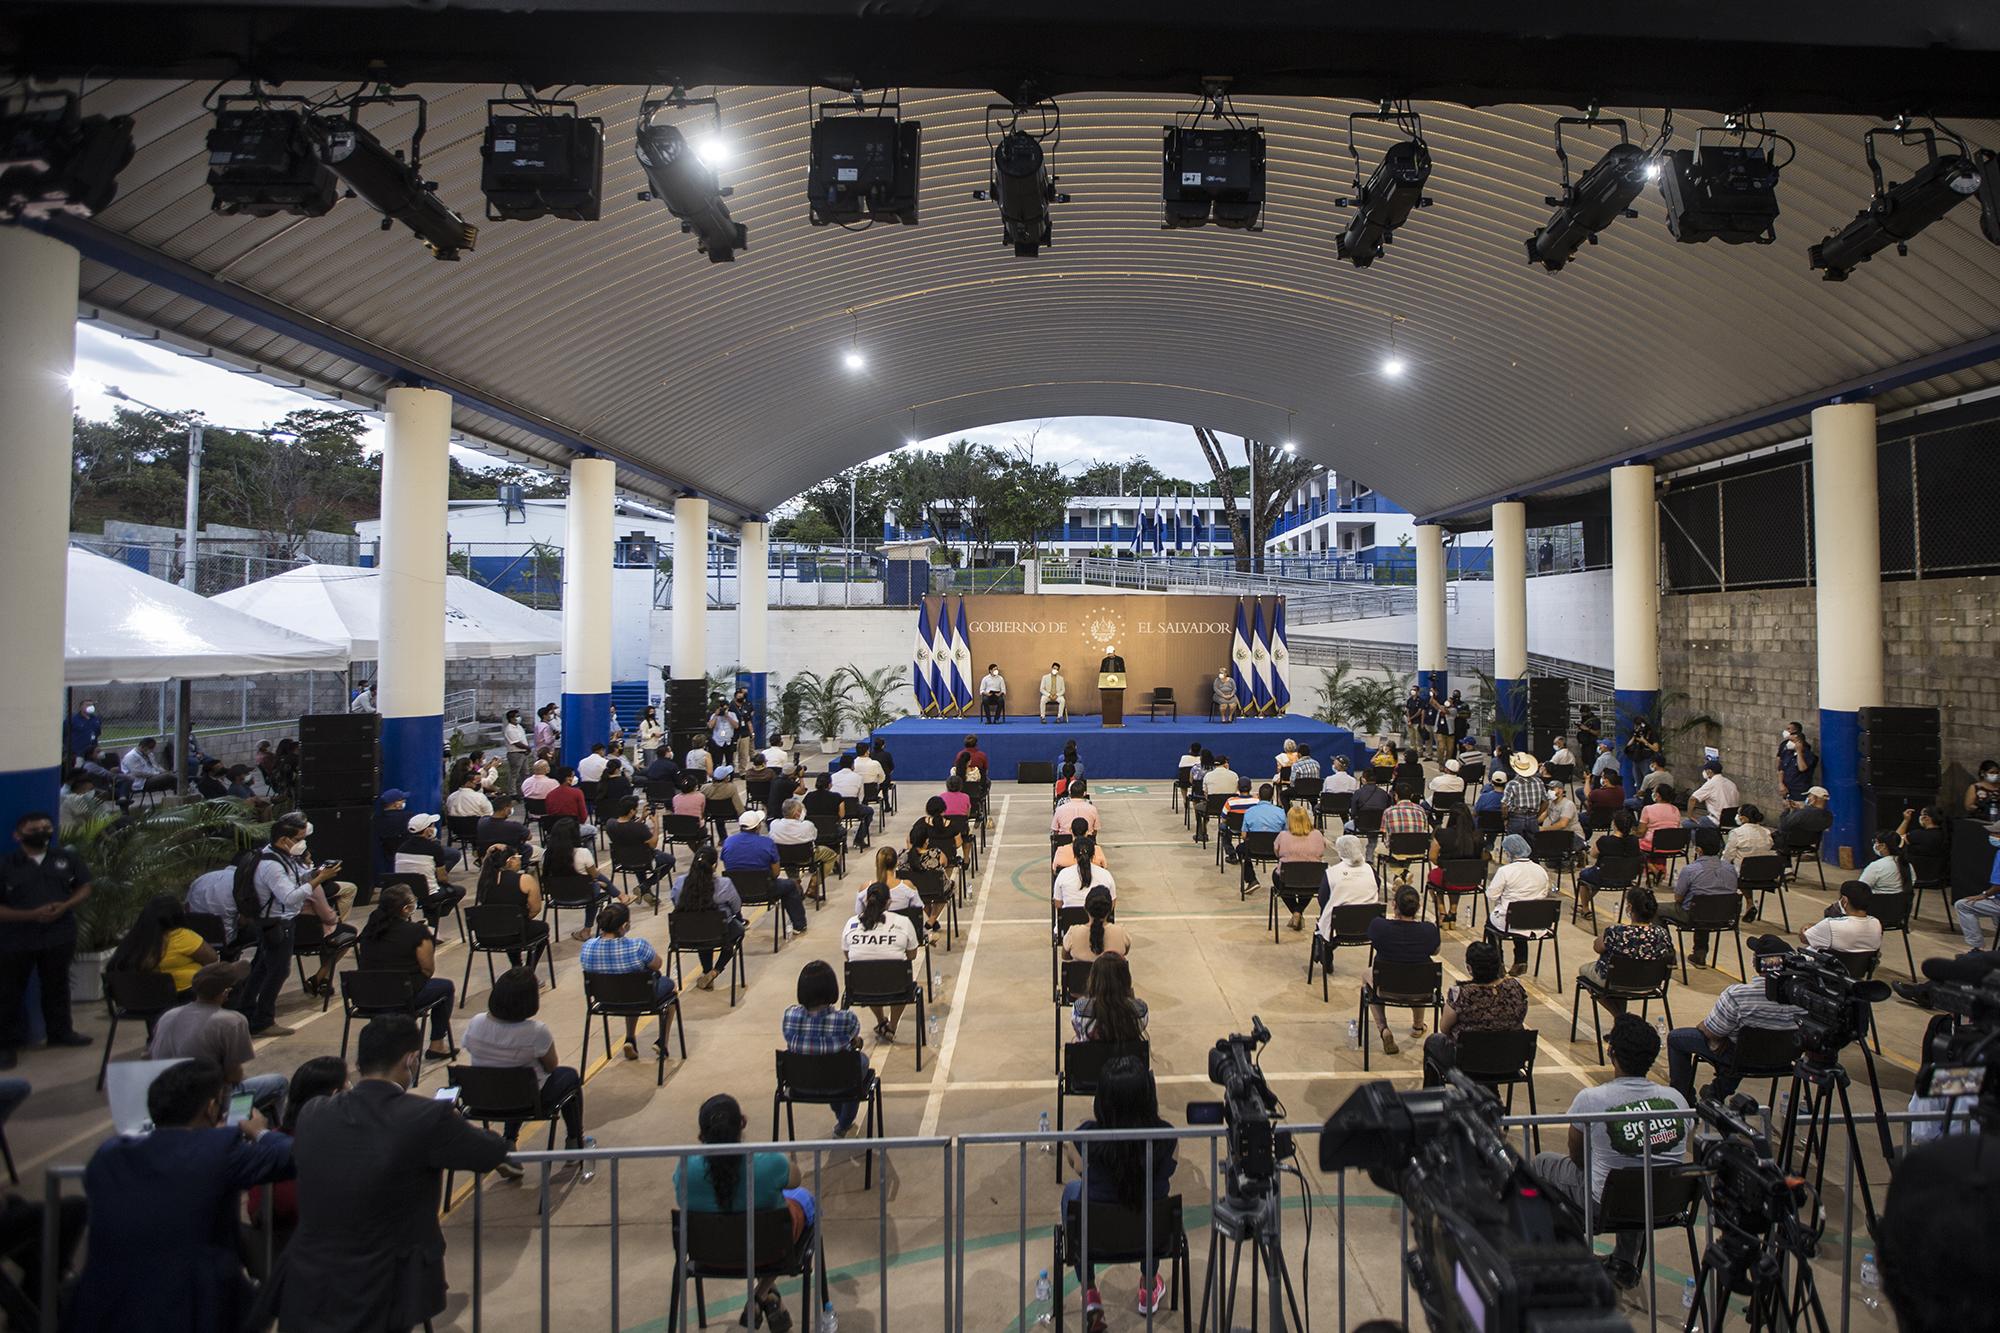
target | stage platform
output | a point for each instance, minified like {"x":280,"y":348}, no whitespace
{"x":924,"y":747}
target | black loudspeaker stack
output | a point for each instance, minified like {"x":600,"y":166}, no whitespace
{"x":1548,"y":712}
{"x":1902,"y":758}
{"x":345,"y":833}
{"x":340,"y":773}
{"x":687,"y":713}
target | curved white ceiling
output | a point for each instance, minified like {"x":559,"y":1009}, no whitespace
{"x":729,"y":377}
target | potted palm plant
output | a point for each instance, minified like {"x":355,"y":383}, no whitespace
{"x":875,"y":687}
{"x":153,"y":851}
{"x":791,"y":702}
{"x":826,"y":703}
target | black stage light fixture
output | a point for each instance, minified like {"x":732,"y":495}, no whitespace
{"x":541,"y":160}
{"x":1596,"y":199}
{"x":1897,"y":211}
{"x":685,"y":184}
{"x":1725,"y":192}
{"x":863,"y":166}
{"x":263,"y":160}
{"x":1212,"y":173}
{"x":54,"y":159}
{"x":1393,"y":191}
{"x":1021,"y":183}
{"x":387,"y":183}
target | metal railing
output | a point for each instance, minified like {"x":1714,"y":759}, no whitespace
{"x":573,"y":1283}
{"x":1306,"y":600}
{"x":220,"y":564}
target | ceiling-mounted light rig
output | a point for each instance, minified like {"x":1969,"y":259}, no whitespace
{"x":1021,"y":182}
{"x":1898,"y":210}
{"x":681,"y":178}
{"x":1393,"y":191}
{"x":1603,"y":194}
{"x":1213,"y":172}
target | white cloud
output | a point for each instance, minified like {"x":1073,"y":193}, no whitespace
{"x":1077,"y":442}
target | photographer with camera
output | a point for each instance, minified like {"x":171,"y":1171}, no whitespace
{"x":1642,"y":1138}
{"x":1713,"y":1040}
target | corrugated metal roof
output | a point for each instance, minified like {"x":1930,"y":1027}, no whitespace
{"x":729,"y":376}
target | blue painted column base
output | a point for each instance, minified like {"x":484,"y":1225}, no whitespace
{"x":413,"y":759}
{"x":1847,"y":800}
{"x":1629,"y":706}
{"x":1510,"y":711}
{"x":757,"y":683}
{"x":586,"y":721}
{"x":23,"y":790}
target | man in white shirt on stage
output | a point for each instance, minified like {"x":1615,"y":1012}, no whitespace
{"x":992,"y":695}
{"x":1054,"y":691}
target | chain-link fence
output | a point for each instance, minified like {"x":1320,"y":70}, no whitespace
{"x":218,"y":565}
{"x":1754,"y":529}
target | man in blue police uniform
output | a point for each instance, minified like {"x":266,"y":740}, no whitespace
{"x":40,"y":887}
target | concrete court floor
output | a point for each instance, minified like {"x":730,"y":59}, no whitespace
{"x":1204,"y":962}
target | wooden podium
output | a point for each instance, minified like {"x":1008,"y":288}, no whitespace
{"x":1111,"y":691}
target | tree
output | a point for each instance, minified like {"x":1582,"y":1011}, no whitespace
{"x":308,"y":474}
{"x":822,"y":516}
{"x":484,"y":483}
{"x":1134,"y":476}
{"x":1278,"y":474}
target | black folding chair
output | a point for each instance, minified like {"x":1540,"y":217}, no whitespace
{"x":730,"y":1248}
{"x":1459,"y":877}
{"x":1892,"y":910}
{"x":570,"y":893}
{"x":134,"y":997}
{"x":1253,"y":850}
{"x":1442,"y":801}
{"x":1926,"y":872}
{"x":1669,"y":845}
{"x":1795,"y":852}
{"x":1082,"y":1068}
{"x":1350,"y":931}
{"x":800,"y":860}
{"x":833,"y":834}
{"x":1072,"y":979}
{"x":934,"y":887}
{"x":310,"y":942}
{"x":1297,"y":884}
{"x":1207,"y":812}
{"x":687,"y":830}
{"x":1764,"y":875}
{"x":1333,"y":805}
{"x":1109,"y":1233}
{"x":366,"y":994}
{"x":1758,"y":1053}
{"x":502,"y":1096}
{"x":885,"y":981}
{"x":822,"y":1080}
{"x":691,"y":932}
{"x":501,"y":928}
{"x":609,"y":995}
{"x":464,"y":830}
{"x":1625,"y":978}
{"x":1676,"y":1199}
{"x":1502,"y":1059}
{"x":1490,"y":824}
{"x":759,"y":888}
{"x":1535,"y":919}
{"x":1304,"y":791}
{"x":1615,"y":874}
{"x":1712,"y":912}
{"x":1556,"y":851}
{"x":633,"y":862}
{"x":1162,"y":697}
{"x":1230,"y":837}
{"x":1400,"y":986}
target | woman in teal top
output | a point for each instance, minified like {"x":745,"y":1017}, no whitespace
{"x":714,"y":1183}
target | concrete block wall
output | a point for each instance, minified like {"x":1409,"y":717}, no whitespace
{"x":1750,"y":659}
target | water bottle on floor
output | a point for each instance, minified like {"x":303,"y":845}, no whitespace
{"x":1045,"y":1312}
{"x":828,"y":1321}
{"x":931,"y":1025}
{"x":1047,"y":1148}
{"x":1871,"y":1282}
{"x":1353,"y":1035}
{"x":1687,"y":1303}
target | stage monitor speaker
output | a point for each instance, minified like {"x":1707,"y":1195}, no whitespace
{"x":1035,"y":773}
{"x":345,"y":833}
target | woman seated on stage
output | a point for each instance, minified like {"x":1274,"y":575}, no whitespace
{"x":1088,"y":941}
{"x":1074,"y":882}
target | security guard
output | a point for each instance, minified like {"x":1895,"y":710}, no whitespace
{"x":40,"y":887}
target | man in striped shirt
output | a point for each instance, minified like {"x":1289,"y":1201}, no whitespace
{"x":1741,"y":1006}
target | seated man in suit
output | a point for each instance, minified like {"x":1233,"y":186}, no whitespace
{"x":1054,"y":693}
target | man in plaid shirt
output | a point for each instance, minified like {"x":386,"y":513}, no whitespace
{"x":1524,"y":795}
{"x":1405,"y":816}
{"x":814,"y":1027}
{"x":613,"y":950}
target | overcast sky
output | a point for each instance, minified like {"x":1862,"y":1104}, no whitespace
{"x":166,"y":379}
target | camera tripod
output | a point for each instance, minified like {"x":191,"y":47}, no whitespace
{"x":1735,"y":1258}
{"x":1253,"y":1222}
{"x":1817,"y":1079}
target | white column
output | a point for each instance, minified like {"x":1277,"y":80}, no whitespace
{"x":1847,"y":574}
{"x":1635,"y":605}
{"x":587,"y":552}
{"x":753,"y":617}
{"x":1432,"y":673}
{"x":409,"y":681}
{"x":1510,"y":620}
{"x":687,"y":695}
{"x":37,"y":356}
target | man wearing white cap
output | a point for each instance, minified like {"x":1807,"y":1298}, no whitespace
{"x":752,"y":851}
{"x":1447,"y":781}
{"x":1803,"y":825}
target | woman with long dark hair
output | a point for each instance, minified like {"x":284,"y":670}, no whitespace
{"x":737,"y":1182}
{"x":1087,"y":941}
{"x":1118,"y":1172}
{"x":393,"y":941}
{"x":1108,"y":1010}
{"x":702,"y":889}
{"x":877,"y":933}
{"x":1889,"y":872}
{"x":1074,"y":882}
{"x":504,"y":883}
{"x":564,"y":857}
{"x":159,"y":941}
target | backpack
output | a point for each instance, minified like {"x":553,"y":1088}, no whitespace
{"x":250,"y":908}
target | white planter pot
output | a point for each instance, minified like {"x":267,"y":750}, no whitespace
{"x":786,"y":742}
{"x":828,"y":744}
{"x":86,"y":976}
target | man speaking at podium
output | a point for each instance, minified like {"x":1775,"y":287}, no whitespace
{"x":1111,"y":687}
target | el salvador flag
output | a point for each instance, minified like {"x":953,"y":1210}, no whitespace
{"x":941,"y":659}
{"x":1260,"y":659}
{"x":961,"y":663}
{"x":920,"y":659}
{"x":1281,"y":662}
{"x":1239,"y":658}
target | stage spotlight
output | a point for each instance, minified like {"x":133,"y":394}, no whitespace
{"x":1896,"y":212}
{"x":1392,"y":192}
{"x":1596,"y":199}
{"x":686,"y":184}
{"x":54,"y":159}
{"x":387,"y":183}
{"x":263,"y":160}
{"x":863,"y":167}
{"x":1212,"y":173}
{"x":1021,"y":183}
{"x":1725,"y":192}
{"x":714,"y":150}
{"x":537,"y":163}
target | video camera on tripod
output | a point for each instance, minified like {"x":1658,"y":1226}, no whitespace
{"x":1832,"y":1002}
{"x":1491,"y":1250}
{"x":1765,"y":1227}
{"x":1957,"y":1058}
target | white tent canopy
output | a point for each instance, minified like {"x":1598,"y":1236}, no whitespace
{"x":122,"y":625}
{"x":341,"y":602}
